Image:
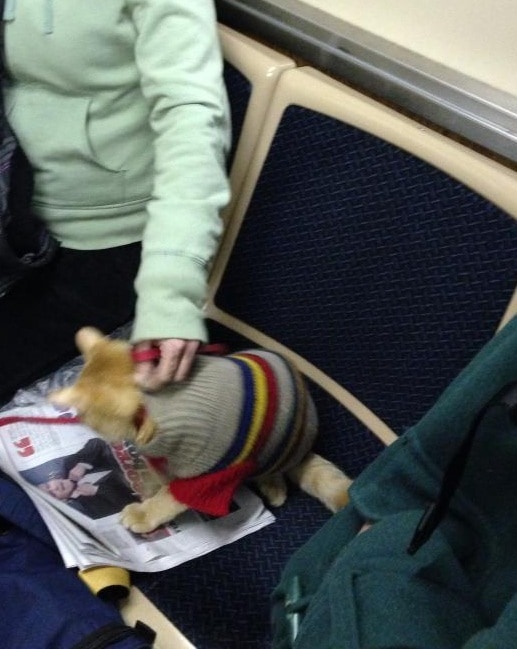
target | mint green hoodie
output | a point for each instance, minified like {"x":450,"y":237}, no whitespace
{"x":121,"y":108}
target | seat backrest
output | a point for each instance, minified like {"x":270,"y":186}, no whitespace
{"x":378,"y":254}
{"x":251,"y":72}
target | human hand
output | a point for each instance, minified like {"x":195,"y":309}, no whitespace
{"x":174,"y":363}
{"x":78,"y":471}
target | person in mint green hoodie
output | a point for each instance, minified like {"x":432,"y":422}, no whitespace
{"x":121,"y":109}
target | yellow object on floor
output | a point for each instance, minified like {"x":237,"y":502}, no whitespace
{"x":108,"y":582}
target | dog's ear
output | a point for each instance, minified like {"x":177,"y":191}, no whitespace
{"x":86,"y":338}
{"x":69,"y":397}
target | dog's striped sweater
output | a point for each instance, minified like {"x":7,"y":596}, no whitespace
{"x":238,"y":416}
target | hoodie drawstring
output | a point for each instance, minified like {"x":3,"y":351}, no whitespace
{"x":48,"y":20}
{"x":48,"y":14}
{"x":9,"y":10}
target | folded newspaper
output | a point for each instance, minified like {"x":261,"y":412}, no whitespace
{"x":79,"y":484}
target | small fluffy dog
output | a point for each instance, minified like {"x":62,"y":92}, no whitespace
{"x":243,"y":416}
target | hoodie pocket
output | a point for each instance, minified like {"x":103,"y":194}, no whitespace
{"x":54,"y":133}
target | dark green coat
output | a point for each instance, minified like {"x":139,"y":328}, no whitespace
{"x":459,"y":590}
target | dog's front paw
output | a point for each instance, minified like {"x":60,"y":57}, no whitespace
{"x":151,"y":513}
{"x":138,"y":518}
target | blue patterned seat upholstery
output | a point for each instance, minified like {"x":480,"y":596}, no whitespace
{"x":380,"y":270}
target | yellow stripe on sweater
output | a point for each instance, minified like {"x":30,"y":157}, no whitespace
{"x":259,"y":406}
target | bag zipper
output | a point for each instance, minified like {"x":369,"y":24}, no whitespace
{"x":107,"y":635}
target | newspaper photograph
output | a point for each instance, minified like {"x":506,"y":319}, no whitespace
{"x":79,"y":484}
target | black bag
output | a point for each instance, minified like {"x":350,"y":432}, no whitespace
{"x":25,"y":244}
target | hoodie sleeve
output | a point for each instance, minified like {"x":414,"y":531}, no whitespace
{"x":178,"y":56}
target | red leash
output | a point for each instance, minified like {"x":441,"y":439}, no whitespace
{"x":16,"y":419}
{"x":23,"y":445}
{"x":153,"y":353}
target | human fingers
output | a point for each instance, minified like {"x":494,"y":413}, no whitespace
{"x":143,"y":374}
{"x":187,"y":358}
{"x":176,"y":356}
